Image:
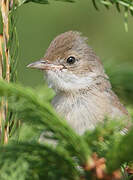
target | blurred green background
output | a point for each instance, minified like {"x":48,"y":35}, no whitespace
{"x":38,"y":24}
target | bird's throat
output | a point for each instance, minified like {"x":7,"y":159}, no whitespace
{"x":64,"y":81}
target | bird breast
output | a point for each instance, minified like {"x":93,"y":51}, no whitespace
{"x":81,"y":111}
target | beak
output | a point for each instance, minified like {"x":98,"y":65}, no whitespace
{"x":45,"y":65}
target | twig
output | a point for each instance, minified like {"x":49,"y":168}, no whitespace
{"x":4,"y":5}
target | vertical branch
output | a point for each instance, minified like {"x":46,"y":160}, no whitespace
{"x":5,"y":13}
{"x":4,"y":56}
{"x":1,"y":54}
{"x":1,"y":43}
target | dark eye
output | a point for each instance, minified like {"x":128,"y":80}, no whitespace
{"x":71,"y":60}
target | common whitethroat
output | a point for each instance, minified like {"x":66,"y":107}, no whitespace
{"x":83,"y":91}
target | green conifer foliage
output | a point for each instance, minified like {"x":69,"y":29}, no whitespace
{"x":102,"y":153}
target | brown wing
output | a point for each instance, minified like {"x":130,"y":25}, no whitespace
{"x":105,"y":87}
{"x":116,"y":102}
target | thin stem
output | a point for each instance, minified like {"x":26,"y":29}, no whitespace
{"x":1,"y":43}
{"x":4,"y":5}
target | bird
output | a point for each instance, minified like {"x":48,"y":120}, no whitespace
{"x":84,"y":95}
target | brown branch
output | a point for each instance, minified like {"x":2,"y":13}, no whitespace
{"x":1,"y":55}
{"x":1,"y":70}
{"x":4,"y":5}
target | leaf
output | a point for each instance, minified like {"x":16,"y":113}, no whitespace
{"x":34,"y":110}
{"x":118,"y":7}
{"x":121,"y":152}
{"x":38,"y":1}
{"x":126,"y":19}
{"x":34,"y":161}
{"x":94,"y":4}
{"x":131,"y":12}
{"x":71,"y":1}
{"x":20,"y":2}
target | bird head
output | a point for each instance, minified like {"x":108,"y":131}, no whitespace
{"x":70,"y":64}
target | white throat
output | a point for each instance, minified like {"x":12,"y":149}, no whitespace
{"x":67,"y":81}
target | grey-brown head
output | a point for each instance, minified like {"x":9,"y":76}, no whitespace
{"x":69,"y":63}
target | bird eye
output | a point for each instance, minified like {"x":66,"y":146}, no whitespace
{"x":71,"y":60}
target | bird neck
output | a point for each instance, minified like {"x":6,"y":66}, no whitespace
{"x":99,"y":85}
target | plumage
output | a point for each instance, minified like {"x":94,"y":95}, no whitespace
{"x":84,"y":94}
